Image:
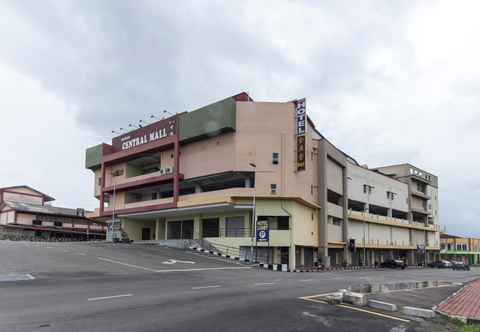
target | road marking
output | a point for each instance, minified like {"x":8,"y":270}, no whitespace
{"x":205,"y":269}
{"x":173,"y":270}
{"x":173,"y":261}
{"x":109,"y":297}
{"x":80,"y":253}
{"x":126,"y":264}
{"x":305,"y":280}
{"x":373,"y":313}
{"x":263,"y":284}
{"x":204,"y":287}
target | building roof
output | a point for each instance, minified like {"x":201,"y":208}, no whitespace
{"x":46,"y":197}
{"x":43,"y":209}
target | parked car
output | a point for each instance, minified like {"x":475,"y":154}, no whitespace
{"x":393,"y":264}
{"x":441,"y":264}
{"x":457,"y":265}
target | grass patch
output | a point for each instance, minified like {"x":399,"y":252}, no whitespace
{"x":469,"y":328}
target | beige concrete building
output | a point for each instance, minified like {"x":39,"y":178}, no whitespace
{"x":194,"y":176}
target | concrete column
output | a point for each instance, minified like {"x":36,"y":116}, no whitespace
{"x":291,"y":257}
{"x":197,"y":228}
{"x":323,"y":213}
{"x":248,"y":183}
{"x":389,"y":213}
{"x":346,"y":236}
{"x":302,"y":256}
{"x":198,"y":189}
{"x":157,"y":229}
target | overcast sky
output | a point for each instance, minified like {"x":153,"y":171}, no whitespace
{"x":386,"y":81}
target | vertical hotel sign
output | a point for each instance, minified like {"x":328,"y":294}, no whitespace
{"x":301,"y":120}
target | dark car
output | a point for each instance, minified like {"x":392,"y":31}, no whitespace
{"x":460,"y":266}
{"x":442,"y":264}
{"x":393,"y":264}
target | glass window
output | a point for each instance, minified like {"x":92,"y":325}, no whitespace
{"x":283,"y":223}
{"x":275,"y":158}
{"x":210,"y":227}
{"x":234,"y":226}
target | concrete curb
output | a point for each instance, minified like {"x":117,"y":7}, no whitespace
{"x":418,"y":312}
{"x":382,"y":305}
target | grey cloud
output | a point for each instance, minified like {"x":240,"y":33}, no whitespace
{"x":115,"y":62}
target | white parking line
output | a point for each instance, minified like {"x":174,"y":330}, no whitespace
{"x":305,"y":280}
{"x":205,"y":269}
{"x":204,"y":287}
{"x":108,"y":297}
{"x":263,"y":284}
{"x":173,"y":270}
{"x":126,"y":264}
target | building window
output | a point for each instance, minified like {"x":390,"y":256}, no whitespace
{"x":210,"y":227}
{"x":58,"y":223}
{"x":273,"y":188}
{"x":283,"y":223}
{"x":234,"y":226}
{"x":275,"y":158}
{"x":367,"y":189}
{"x":117,"y":172}
{"x":391,"y":195}
{"x":37,"y":222}
{"x":154,"y":195}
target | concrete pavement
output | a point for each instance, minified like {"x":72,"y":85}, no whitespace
{"x":134,"y":290}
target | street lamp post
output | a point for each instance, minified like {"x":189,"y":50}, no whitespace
{"x":254,"y":212}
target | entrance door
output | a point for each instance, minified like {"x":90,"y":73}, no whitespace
{"x":187,"y":229}
{"x":174,"y":230}
{"x":146,"y":234}
{"x":284,"y":255}
{"x":308,"y":256}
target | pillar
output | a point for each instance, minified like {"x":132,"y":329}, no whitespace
{"x":198,"y":189}
{"x":291,"y":257}
{"x":389,"y":213}
{"x":197,"y":231}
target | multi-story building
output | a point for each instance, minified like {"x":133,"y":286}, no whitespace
{"x":209,"y":173}
{"x":26,"y":213}
{"x":459,"y":248}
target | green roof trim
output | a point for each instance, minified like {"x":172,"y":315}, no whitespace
{"x":93,"y":157}
{"x":210,"y":120}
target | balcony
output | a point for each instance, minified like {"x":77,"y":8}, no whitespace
{"x":420,"y":194}
{"x":335,"y":210}
{"x":140,"y":181}
{"x":373,"y":218}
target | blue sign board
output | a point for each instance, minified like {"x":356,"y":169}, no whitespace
{"x":262,"y":235}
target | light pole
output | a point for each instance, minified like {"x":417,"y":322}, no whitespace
{"x":254,"y":212}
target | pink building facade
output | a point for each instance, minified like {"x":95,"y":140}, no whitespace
{"x":193,"y":176}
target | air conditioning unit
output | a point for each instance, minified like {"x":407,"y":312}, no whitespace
{"x":162,"y":171}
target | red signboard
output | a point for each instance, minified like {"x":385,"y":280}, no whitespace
{"x":150,"y":133}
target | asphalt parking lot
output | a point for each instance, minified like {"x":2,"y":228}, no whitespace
{"x":107,"y":287}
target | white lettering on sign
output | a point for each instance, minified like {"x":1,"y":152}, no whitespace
{"x":128,"y":143}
